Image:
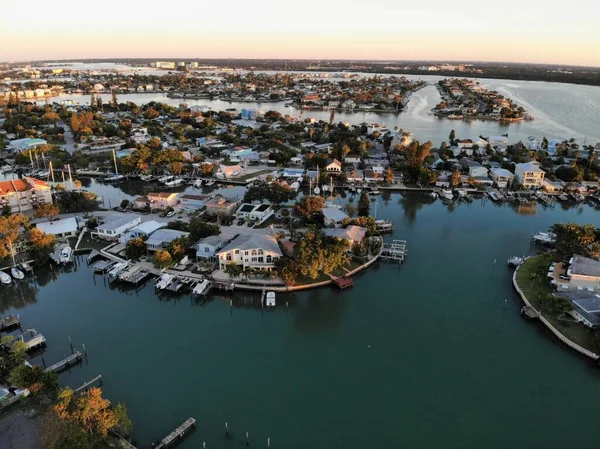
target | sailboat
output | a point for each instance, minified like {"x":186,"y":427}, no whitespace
{"x":16,"y":273}
{"x":116,"y":177}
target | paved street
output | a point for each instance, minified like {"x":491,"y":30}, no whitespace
{"x":68,"y":135}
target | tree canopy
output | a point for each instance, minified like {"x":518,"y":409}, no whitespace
{"x":273,"y":192}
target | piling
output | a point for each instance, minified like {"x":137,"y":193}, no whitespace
{"x":247,"y":439}
{"x":226,"y":430}
{"x":268,"y":442}
{"x":71,"y":343}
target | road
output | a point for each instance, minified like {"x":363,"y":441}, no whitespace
{"x":68,"y":135}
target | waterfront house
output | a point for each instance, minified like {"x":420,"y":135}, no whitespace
{"x":220,"y":205}
{"x":534,"y":143}
{"x":586,"y":306}
{"x":25,"y":144}
{"x":23,"y":195}
{"x":144,"y":230}
{"x":497,"y":141}
{"x":502,"y":178}
{"x":372,"y":175}
{"x":333,"y":217}
{"x":255,"y":212}
{"x":115,"y":225}
{"x":584,"y":272}
{"x":529,"y":175}
{"x":476,"y":170}
{"x":162,"y":238}
{"x":353,"y":159}
{"x":229,"y":171}
{"x":207,"y":247}
{"x":552,"y":186}
{"x":192,"y":203}
{"x":251,"y":251}
{"x":334,"y":167}
{"x":66,"y":227}
{"x":163,"y":200}
{"x":352,"y":234}
{"x":292,"y":172}
{"x":355,"y":176}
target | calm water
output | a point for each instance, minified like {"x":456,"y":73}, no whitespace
{"x":415,"y":357}
{"x":561,"y":111}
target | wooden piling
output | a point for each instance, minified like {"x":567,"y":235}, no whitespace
{"x":247,"y":439}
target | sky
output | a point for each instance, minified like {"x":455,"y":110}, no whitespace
{"x":453,"y":30}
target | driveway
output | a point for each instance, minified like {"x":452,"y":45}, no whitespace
{"x":68,"y":135}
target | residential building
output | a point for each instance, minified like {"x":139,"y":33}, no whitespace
{"x":529,"y":175}
{"x":497,"y":141}
{"x":144,"y":229}
{"x":534,"y":143}
{"x":476,"y":170}
{"x":501,"y":177}
{"x":192,"y":202}
{"x":24,"y":194}
{"x":334,"y":167}
{"x":25,"y":144}
{"x":220,"y":205}
{"x":255,"y":212}
{"x":585,"y":272}
{"x":66,"y":227}
{"x":207,"y":247}
{"x":251,"y":251}
{"x":115,"y":225}
{"x":163,"y":200}
{"x":229,"y":171}
{"x":352,"y":234}
{"x":162,"y":238}
{"x":292,"y":172}
{"x":333,"y":217}
{"x":552,"y":186}
{"x":354,"y":159}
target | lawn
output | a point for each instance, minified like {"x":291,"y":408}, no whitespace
{"x":87,"y":242}
{"x":539,"y":287}
{"x":253,"y":175}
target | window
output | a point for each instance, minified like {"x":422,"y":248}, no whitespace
{"x":229,"y":256}
{"x":206,"y":249}
{"x":260,"y":252}
{"x":261,"y":259}
{"x":269,"y":259}
{"x":254,"y":259}
{"x":245,"y":253}
{"x":237,"y":251}
{"x":254,"y":252}
{"x":23,"y":200}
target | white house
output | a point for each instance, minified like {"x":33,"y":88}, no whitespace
{"x":333,"y":216}
{"x":192,"y":202}
{"x":229,"y":171}
{"x":161,"y":238}
{"x":529,"y":175}
{"x":534,"y":143}
{"x":497,"y":141}
{"x":116,"y":225}
{"x":66,"y":227}
{"x":552,"y":186}
{"x":24,"y":194}
{"x":334,"y":167}
{"x":207,"y":247}
{"x":251,"y":251}
{"x":352,"y":159}
{"x":162,"y":200}
{"x":501,"y":177}
{"x":144,"y":229}
{"x":585,"y":272}
{"x":255,"y":212}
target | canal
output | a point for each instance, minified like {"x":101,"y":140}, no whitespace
{"x":419,"y":356}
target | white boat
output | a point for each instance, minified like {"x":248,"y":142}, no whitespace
{"x":16,"y":273}
{"x":200,"y":288}
{"x":145,"y":178}
{"x":514,"y":261}
{"x":117,"y":270}
{"x":65,"y":254}
{"x":5,"y":278}
{"x":164,"y":179}
{"x":114,"y":178}
{"x":295,"y":186}
{"x":433,"y":195}
{"x":270,"y":299}
{"x":447,"y":194}
{"x":210,"y":183}
{"x":198,"y":183}
{"x":174,"y":182}
{"x":547,"y":238}
{"x":164,"y":281}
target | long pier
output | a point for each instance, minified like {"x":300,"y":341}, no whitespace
{"x":89,"y":383}
{"x":176,"y":434}
{"x":65,"y":363}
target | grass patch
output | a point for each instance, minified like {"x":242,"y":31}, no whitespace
{"x":305,"y":280}
{"x":537,"y":288}
{"x":253,"y":175}
{"x":87,"y":242}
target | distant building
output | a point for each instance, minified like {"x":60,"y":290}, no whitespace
{"x":115,"y":225}
{"x":501,"y":177}
{"x":66,"y":227}
{"x":162,"y":200}
{"x":333,"y":216}
{"x":144,"y":229}
{"x":529,"y":175}
{"x":352,"y":234}
{"x":207,"y":247}
{"x":220,"y":205}
{"x":25,"y":194}
{"x":162,"y":238}
{"x":585,"y":272}
{"x":334,"y":167}
{"x":251,"y":251}
{"x":255,"y":212}
{"x":25,"y":144}
{"x":192,"y":202}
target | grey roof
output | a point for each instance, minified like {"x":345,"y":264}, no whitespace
{"x":164,"y":236}
{"x":334,"y":214}
{"x":529,"y":167}
{"x":590,"y":305}
{"x":502,"y":172}
{"x":585,"y":266}
{"x":213,"y":240}
{"x":253,"y":241}
{"x":114,"y":222}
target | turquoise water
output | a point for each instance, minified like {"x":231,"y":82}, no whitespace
{"x":426,"y":355}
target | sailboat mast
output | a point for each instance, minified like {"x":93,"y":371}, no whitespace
{"x":115,"y":159}
{"x":51,"y":171}
{"x":70,"y":177}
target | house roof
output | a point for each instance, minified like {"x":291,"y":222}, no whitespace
{"x":220,"y":201}
{"x":354,"y":233}
{"x":192,"y":197}
{"x":213,"y":240}
{"x":334,"y":214}
{"x":529,"y":167}
{"x":585,"y":266}
{"x":502,"y":172}
{"x":162,"y":194}
{"x":116,"y":221}
{"x":164,"y":236}
{"x":148,"y":227}
{"x":253,"y":241}
{"x":58,"y":226}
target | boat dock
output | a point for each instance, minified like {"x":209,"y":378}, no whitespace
{"x":529,"y":313}
{"x":91,"y":256}
{"x":395,"y":251}
{"x":65,"y":363}
{"x":177,"y":434}
{"x":33,"y":339}
{"x":9,"y":321}
{"x":103,"y":266}
{"x":134,"y":276}
{"x":89,"y":383}
{"x":343,"y":282}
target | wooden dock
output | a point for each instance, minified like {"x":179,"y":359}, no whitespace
{"x":343,"y":282}
{"x":9,"y":321}
{"x":65,"y":363}
{"x":530,"y":313}
{"x":32,"y":339}
{"x":395,"y":251}
{"x":177,"y":434}
{"x":89,"y":383}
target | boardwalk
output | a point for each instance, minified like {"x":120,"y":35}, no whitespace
{"x":89,"y":383}
{"x":65,"y":363}
{"x":176,"y":434}
{"x":9,"y":321}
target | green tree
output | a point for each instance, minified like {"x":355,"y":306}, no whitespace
{"x":178,"y":248}
{"x":35,"y":378}
{"x":364,"y":205}
{"x":388,"y":176}
{"x":452,"y":136}
{"x":135,"y":248}
{"x":274,"y":192}
{"x":234,"y":270}
{"x":19,"y":351}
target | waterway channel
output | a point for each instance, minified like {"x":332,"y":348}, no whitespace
{"x":420,"y":356}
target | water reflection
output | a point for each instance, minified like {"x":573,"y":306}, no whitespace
{"x":18,"y":294}
{"x":319,"y":310}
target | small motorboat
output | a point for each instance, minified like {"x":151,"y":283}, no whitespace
{"x":65,"y":255}
{"x":114,"y":178}
{"x":5,"y":278}
{"x":197,"y":183}
{"x":433,"y":195}
{"x":515,"y":261}
{"x":16,"y":273}
{"x":270,"y":299}
{"x":447,"y":194}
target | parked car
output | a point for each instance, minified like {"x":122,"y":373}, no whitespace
{"x":170,"y":214}
{"x":241,"y":222}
